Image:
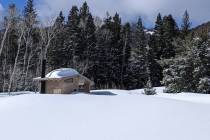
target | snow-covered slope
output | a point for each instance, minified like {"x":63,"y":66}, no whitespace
{"x":106,"y":115}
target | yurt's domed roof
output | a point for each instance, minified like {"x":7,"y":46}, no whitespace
{"x":61,"y":73}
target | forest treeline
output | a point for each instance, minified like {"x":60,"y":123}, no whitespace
{"x":111,"y":53}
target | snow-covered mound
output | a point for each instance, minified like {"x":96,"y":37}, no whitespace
{"x":188,"y":97}
{"x":104,"y":115}
{"x":60,"y":73}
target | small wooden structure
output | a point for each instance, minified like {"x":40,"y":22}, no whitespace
{"x":65,"y":81}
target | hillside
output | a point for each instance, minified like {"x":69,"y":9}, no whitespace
{"x":105,"y":115}
{"x":203,"y":28}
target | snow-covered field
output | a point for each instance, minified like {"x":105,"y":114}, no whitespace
{"x":106,"y":115}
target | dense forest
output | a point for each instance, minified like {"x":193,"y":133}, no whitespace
{"x":111,"y":53}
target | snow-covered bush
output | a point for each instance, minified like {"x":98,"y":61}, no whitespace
{"x":149,"y":91}
{"x":204,"y":85}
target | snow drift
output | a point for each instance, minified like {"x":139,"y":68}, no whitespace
{"x":105,"y":115}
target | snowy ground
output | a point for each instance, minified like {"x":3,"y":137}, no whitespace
{"x":106,"y":115}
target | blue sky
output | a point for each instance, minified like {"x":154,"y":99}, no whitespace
{"x":128,"y":9}
{"x":19,"y":3}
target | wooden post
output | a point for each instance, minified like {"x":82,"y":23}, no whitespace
{"x":43,"y":83}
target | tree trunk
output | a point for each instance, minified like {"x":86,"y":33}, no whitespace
{"x":43,"y":83}
{"x":3,"y":39}
{"x":15,"y":64}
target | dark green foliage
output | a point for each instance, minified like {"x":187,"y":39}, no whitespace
{"x":189,"y":72}
{"x":155,"y":68}
{"x":170,"y":29}
{"x":137,"y":68}
{"x":159,"y":25}
{"x":55,"y":55}
{"x":149,"y":90}
{"x":73,"y":39}
{"x":166,"y":31}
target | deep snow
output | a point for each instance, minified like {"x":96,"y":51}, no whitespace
{"x":106,"y":115}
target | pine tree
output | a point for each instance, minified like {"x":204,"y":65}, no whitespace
{"x":159,"y":25}
{"x":157,"y":40}
{"x":91,"y":48}
{"x":185,"y":27}
{"x":84,"y":13}
{"x":137,"y":66}
{"x":88,"y":41}
{"x":83,"y":19}
{"x":170,"y":31}
{"x":170,"y":28}
{"x":102,"y":68}
{"x":116,"y":49}
{"x":155,"y":68}
{"x":189,"y":72}
{"x":72,"y":43}
{"x":30,"y":13}
{"x":55,"y":54}
{"x":149,"y":90}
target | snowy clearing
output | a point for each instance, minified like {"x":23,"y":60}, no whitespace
{"x":106,"y":115}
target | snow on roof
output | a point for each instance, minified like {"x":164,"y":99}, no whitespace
{"x":61,"y":73}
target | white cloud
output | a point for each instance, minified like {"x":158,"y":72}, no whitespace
{"x":148,"y":9}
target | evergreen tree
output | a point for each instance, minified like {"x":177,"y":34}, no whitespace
{"x":116,"y":49}
{"x":157,"y":40}
{"x":170,"y":32}
{"x":189,"y":73}
{"x":84,"y":13}
{"x":185,"y":27}
{"x":138,"y":55}
{"x":155,"y":68}
{"x":102,"y":68}
{"x":56,"y":53}
{"x":91,"y":48}
{"x":149,"y":90}
{"x":84,"y":16}
{"x":30,"y":13}
{"x":72,"y":43}
{"x":88,"y":41}
{"x":159,"y":25}
{"x":170,"y":29}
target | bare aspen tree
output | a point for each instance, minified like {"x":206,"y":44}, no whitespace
{"x":4,"y":73}
{"x":21,"y":31}
{"x":123,"y":59}
{"x":29,"y":50}
{"x":48,"y":31}
{"x":7,"y":25}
